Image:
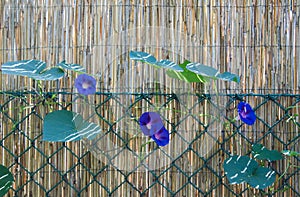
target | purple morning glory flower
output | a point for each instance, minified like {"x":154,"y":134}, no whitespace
{"x":161,"y":137}
{"x":152,"y":125}
{"x":246,"y":113}
{"x":85,"y":84}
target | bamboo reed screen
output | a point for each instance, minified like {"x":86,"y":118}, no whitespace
{"x":258,"y":40}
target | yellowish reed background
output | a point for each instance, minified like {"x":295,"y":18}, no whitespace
{"x":259,"y":40}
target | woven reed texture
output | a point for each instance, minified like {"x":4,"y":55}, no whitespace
{"x":258,"y":40}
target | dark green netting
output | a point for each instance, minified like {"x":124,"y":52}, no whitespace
{"x":196,"y":167}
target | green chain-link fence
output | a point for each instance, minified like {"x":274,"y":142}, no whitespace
{"x":114,"y":165}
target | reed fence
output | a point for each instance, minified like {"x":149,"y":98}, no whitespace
{"x":258,"y":40}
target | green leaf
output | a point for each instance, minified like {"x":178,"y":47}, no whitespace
{"x":6,"y":180}
{"x":49,"y":74}
{"x":23,"y":67}
{"x":65,"y":126}
{"x":149,"y":59}
{"x":186,"y":75}
{"x":261,"y":178}
{"x":290,"y":153}
{"x":74,"y":67}
{"x":169,"y":64}
{"x":239,"y":169}
{"x":142,"y":56}
{"x":32,"y":68}
{"x":203,"y":70}
{"x":260,"y":152}
{"x":187,"y":71}
{"x":227,"y":76}
{"x":211,"y":72}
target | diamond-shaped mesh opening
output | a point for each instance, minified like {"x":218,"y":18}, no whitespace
{"x":104,"y":111}
{"x":204,"y":178}
{"x":60,"y":184}
{"x":156,"y":181}
{"x":237,"y":143}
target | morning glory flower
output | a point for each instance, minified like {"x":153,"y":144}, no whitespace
{"x":161,"y":137}
{"x":152,"y":125}
{"x":246,"y":113}
{"x":85,"y":84}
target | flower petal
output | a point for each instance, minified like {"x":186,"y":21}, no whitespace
{"x":162,"y":137}
{"x":85,"y":84}
{"x":246,"y":113}
{"x":150,"y":123}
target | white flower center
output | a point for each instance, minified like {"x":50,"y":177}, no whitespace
{"x":157,"y":136}
{"x":148,"y":126}
{"x":244,"y":112}
{"x":85,"y":85}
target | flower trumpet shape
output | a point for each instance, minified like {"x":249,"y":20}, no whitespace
{"x":85,"y":84}
{"x":152,"y":125}
{"x":246,"y":113}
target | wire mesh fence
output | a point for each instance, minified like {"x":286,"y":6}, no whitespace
{"x":114,"y":165}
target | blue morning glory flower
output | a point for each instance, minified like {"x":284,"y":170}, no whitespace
{"x":246,"y":113}
{"x":161,"y":137}
{"x":152,"y":125}
{"x":85,"y":84}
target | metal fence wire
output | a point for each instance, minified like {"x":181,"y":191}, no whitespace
{"x":204,"y":132}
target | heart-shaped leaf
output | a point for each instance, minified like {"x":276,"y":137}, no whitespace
{"x":187,"y":71}
{"x":211,"y":72}
{"x":169,"y":65}
{"x":23,"y":67}
{"x":149,"y":59}
{"x":6,"y":180}
{"x":239,"y":169}
{"x":227,"y":76}
{"x":187,"y":75}
{"x":142,"y":56}
{"x":203,"y":70}
{"x":74,"y":67}
{"x":260,"y":152}
{"x":65,"y":126}
{"x":32,"y":68}
{"x":261,"y":178}
{"x":49,"y":74}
